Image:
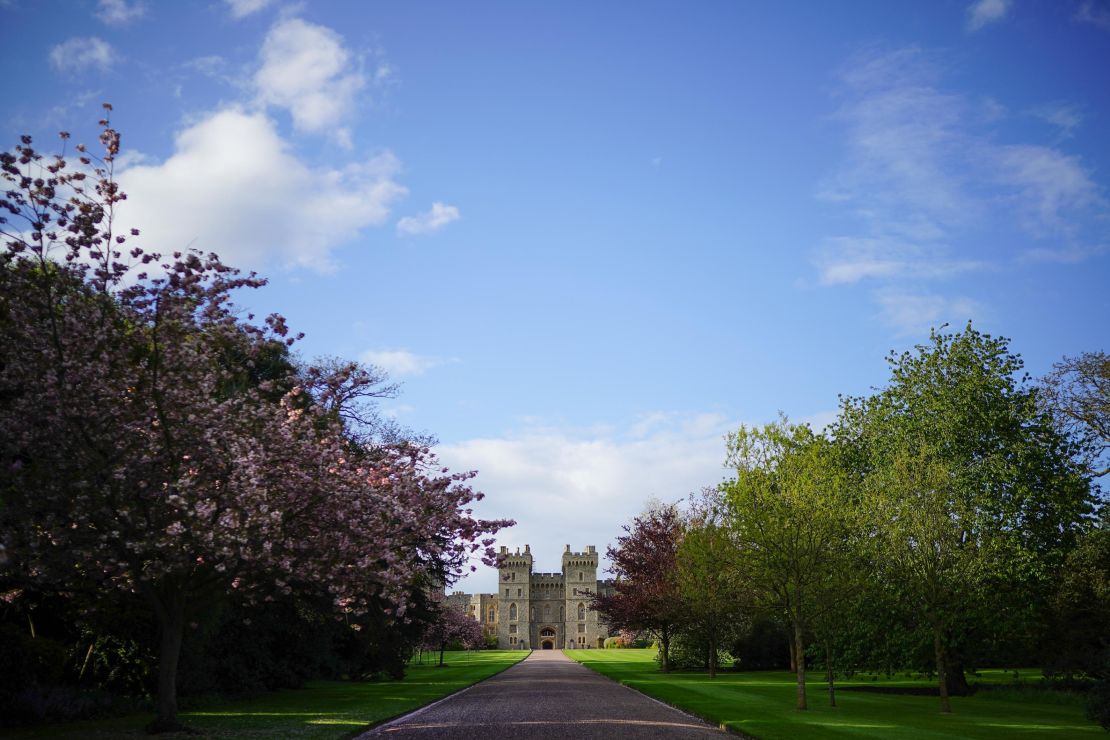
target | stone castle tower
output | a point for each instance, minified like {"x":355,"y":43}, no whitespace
{"x":541,"y":610}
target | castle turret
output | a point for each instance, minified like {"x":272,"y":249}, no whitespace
{"x":580,"y":583}
{"x":514,"y":598}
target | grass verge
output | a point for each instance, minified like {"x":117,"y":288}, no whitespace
{"x":761,"y":704}
{"x":322,"y":709}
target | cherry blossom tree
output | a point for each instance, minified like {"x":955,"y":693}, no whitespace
{"x":145,"y":450}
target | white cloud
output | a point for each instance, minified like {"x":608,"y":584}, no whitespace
{"x":846,"y":259}
{"x":925,"y":176}
{"x":435,"y":219}
{"x":1065,"y":255}
{"x":233,"y":187}
{"x":1045,"y":183}
{"x":243,"y":8}
{"x":983,"y":12}
{"x":1088,"y":12}
{"x":119,"y":12}
{"x":578,"y":488}
{"x":400,"y":362}
{"x":1067,"y":118}
{"x":914,"y":313}
{"x":306,"y":70}
{"x":80,"y":54}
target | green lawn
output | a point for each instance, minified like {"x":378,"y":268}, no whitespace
{"x":761,"y":704}
{"x":322,"y":709}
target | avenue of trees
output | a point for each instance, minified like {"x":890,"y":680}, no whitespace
{"x":178,"y":490}
{"x":951,"y":520}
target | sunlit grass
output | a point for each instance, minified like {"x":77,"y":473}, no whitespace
{"x":761,"y":704}
{"x":322,"y":709}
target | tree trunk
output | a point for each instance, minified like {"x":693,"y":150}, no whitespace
{"x":712,"y":657}
{"x":829,"y":675}
{"x":665,"y":644}
{"x":171,"y":622}
{"x":442,"y":647}
{"x":790,"y":646}
{"x":942,"y":682}
{"x":955,"y":678}
{"x":800,"y":661}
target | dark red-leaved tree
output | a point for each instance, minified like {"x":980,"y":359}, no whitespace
{"x":142,"y":448}
{"x":646,"y":597}
{"x":452,"y":624}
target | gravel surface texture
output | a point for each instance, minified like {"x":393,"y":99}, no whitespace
{"x":547,"y":695}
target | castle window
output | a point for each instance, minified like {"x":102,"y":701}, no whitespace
{"x":547,"y":632}
{"x":581,"y":611}
{"x":512,"y":630}
{"x":492,"y":614}
{"x":518,"y":593}
{"x":580,"y":576}
{"x":581,"y":628}
{"x":562,"y":614}
{"x":506,"y":592}
{"x":512,"y":612}
{"x":546,"y":612}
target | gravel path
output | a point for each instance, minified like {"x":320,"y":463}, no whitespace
{"x":547,"y":695}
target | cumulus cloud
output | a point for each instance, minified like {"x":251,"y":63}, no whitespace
{"x":435,"y":219}
{"x":306,"y":70}
{"x":232,"y":186}
{"x":400,"y":362}
{"x":82,"y":53}
{"x":119,"y":12}
{"x":243,"y":8}
{"x":578,"y":487}
{"x":983,"y":12}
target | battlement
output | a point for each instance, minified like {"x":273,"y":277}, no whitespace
{"x":546,"y":610}
{"x":554,"y":578}
{"x":589,"y":552}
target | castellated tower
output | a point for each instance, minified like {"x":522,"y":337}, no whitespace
{"x":514,"y":599}
{"x":579,"y":583}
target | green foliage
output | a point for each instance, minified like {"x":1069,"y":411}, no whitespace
{"x":1080,"y":634}
{"x":973,"y":495}
{"x":757,"y":704}
{"x":690,"y":651}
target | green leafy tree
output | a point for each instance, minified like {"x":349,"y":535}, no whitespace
{"x":709,"y":582}
{"x":973,"y":496}
{"x":788,"y":511}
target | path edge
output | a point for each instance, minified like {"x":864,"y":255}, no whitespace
{"x":365,"y":732}
{"x":708,"y":720}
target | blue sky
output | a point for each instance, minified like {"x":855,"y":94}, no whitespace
{"x":591,"y":238}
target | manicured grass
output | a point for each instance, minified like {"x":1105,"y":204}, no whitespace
{"x":761,"y":704}
{"x":322,"y":709}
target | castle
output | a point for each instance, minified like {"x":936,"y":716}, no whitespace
{"x":541,"y":610}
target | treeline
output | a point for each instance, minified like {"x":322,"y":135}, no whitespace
{"x":185,"y":506}
{"x":951,"y":520}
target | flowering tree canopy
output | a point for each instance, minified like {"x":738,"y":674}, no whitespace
{"x":154,"y":441}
